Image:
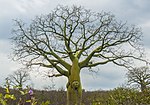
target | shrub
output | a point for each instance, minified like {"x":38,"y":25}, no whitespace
{"x":127,"y":96}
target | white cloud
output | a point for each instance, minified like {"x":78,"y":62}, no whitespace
{"x":6,"y":65}
{"x":146,"y":24}
{"x":136,"y":12}
{"x":5,"y":50}
{"x":108,"y":76}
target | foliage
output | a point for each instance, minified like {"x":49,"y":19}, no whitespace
{"x":126,"y":96}
{"x":45,"y":103}
{"x":2,"y":100}
{"x":117,"y":96}
{"x":18,"y":97}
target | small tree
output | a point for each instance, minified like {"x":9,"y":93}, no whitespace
{"x":139,"y":76}
{"x":70,"y":39}
{"x":19,"y":78}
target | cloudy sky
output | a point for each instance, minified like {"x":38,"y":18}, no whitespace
{"x":133,"y":11}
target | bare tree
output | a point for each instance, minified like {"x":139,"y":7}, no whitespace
{"x":19,"y":78}
{"x":139,"y":76}
{"x":72,"y":38}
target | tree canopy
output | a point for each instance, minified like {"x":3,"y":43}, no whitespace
{"x":19,"y":78}
{"x":72,"y":38}
{"x":55,"y":39}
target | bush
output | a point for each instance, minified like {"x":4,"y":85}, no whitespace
{"x":117,"y":96}
{"x":127,"y":96}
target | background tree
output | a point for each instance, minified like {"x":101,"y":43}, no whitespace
{"x":19,"y":78}
{"x":139,"y":76}
{"x":70,"y":39}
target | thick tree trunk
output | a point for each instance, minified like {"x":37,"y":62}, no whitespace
{"x":143,"y":87}
{"x":74,"y":89}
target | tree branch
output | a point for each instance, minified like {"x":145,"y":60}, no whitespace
{"x":55,"y":75}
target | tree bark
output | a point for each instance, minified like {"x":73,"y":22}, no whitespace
{"x":74,"y":88}
{"x":143,"y":86}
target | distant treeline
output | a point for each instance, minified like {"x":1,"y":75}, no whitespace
{"x":117,"y":96}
